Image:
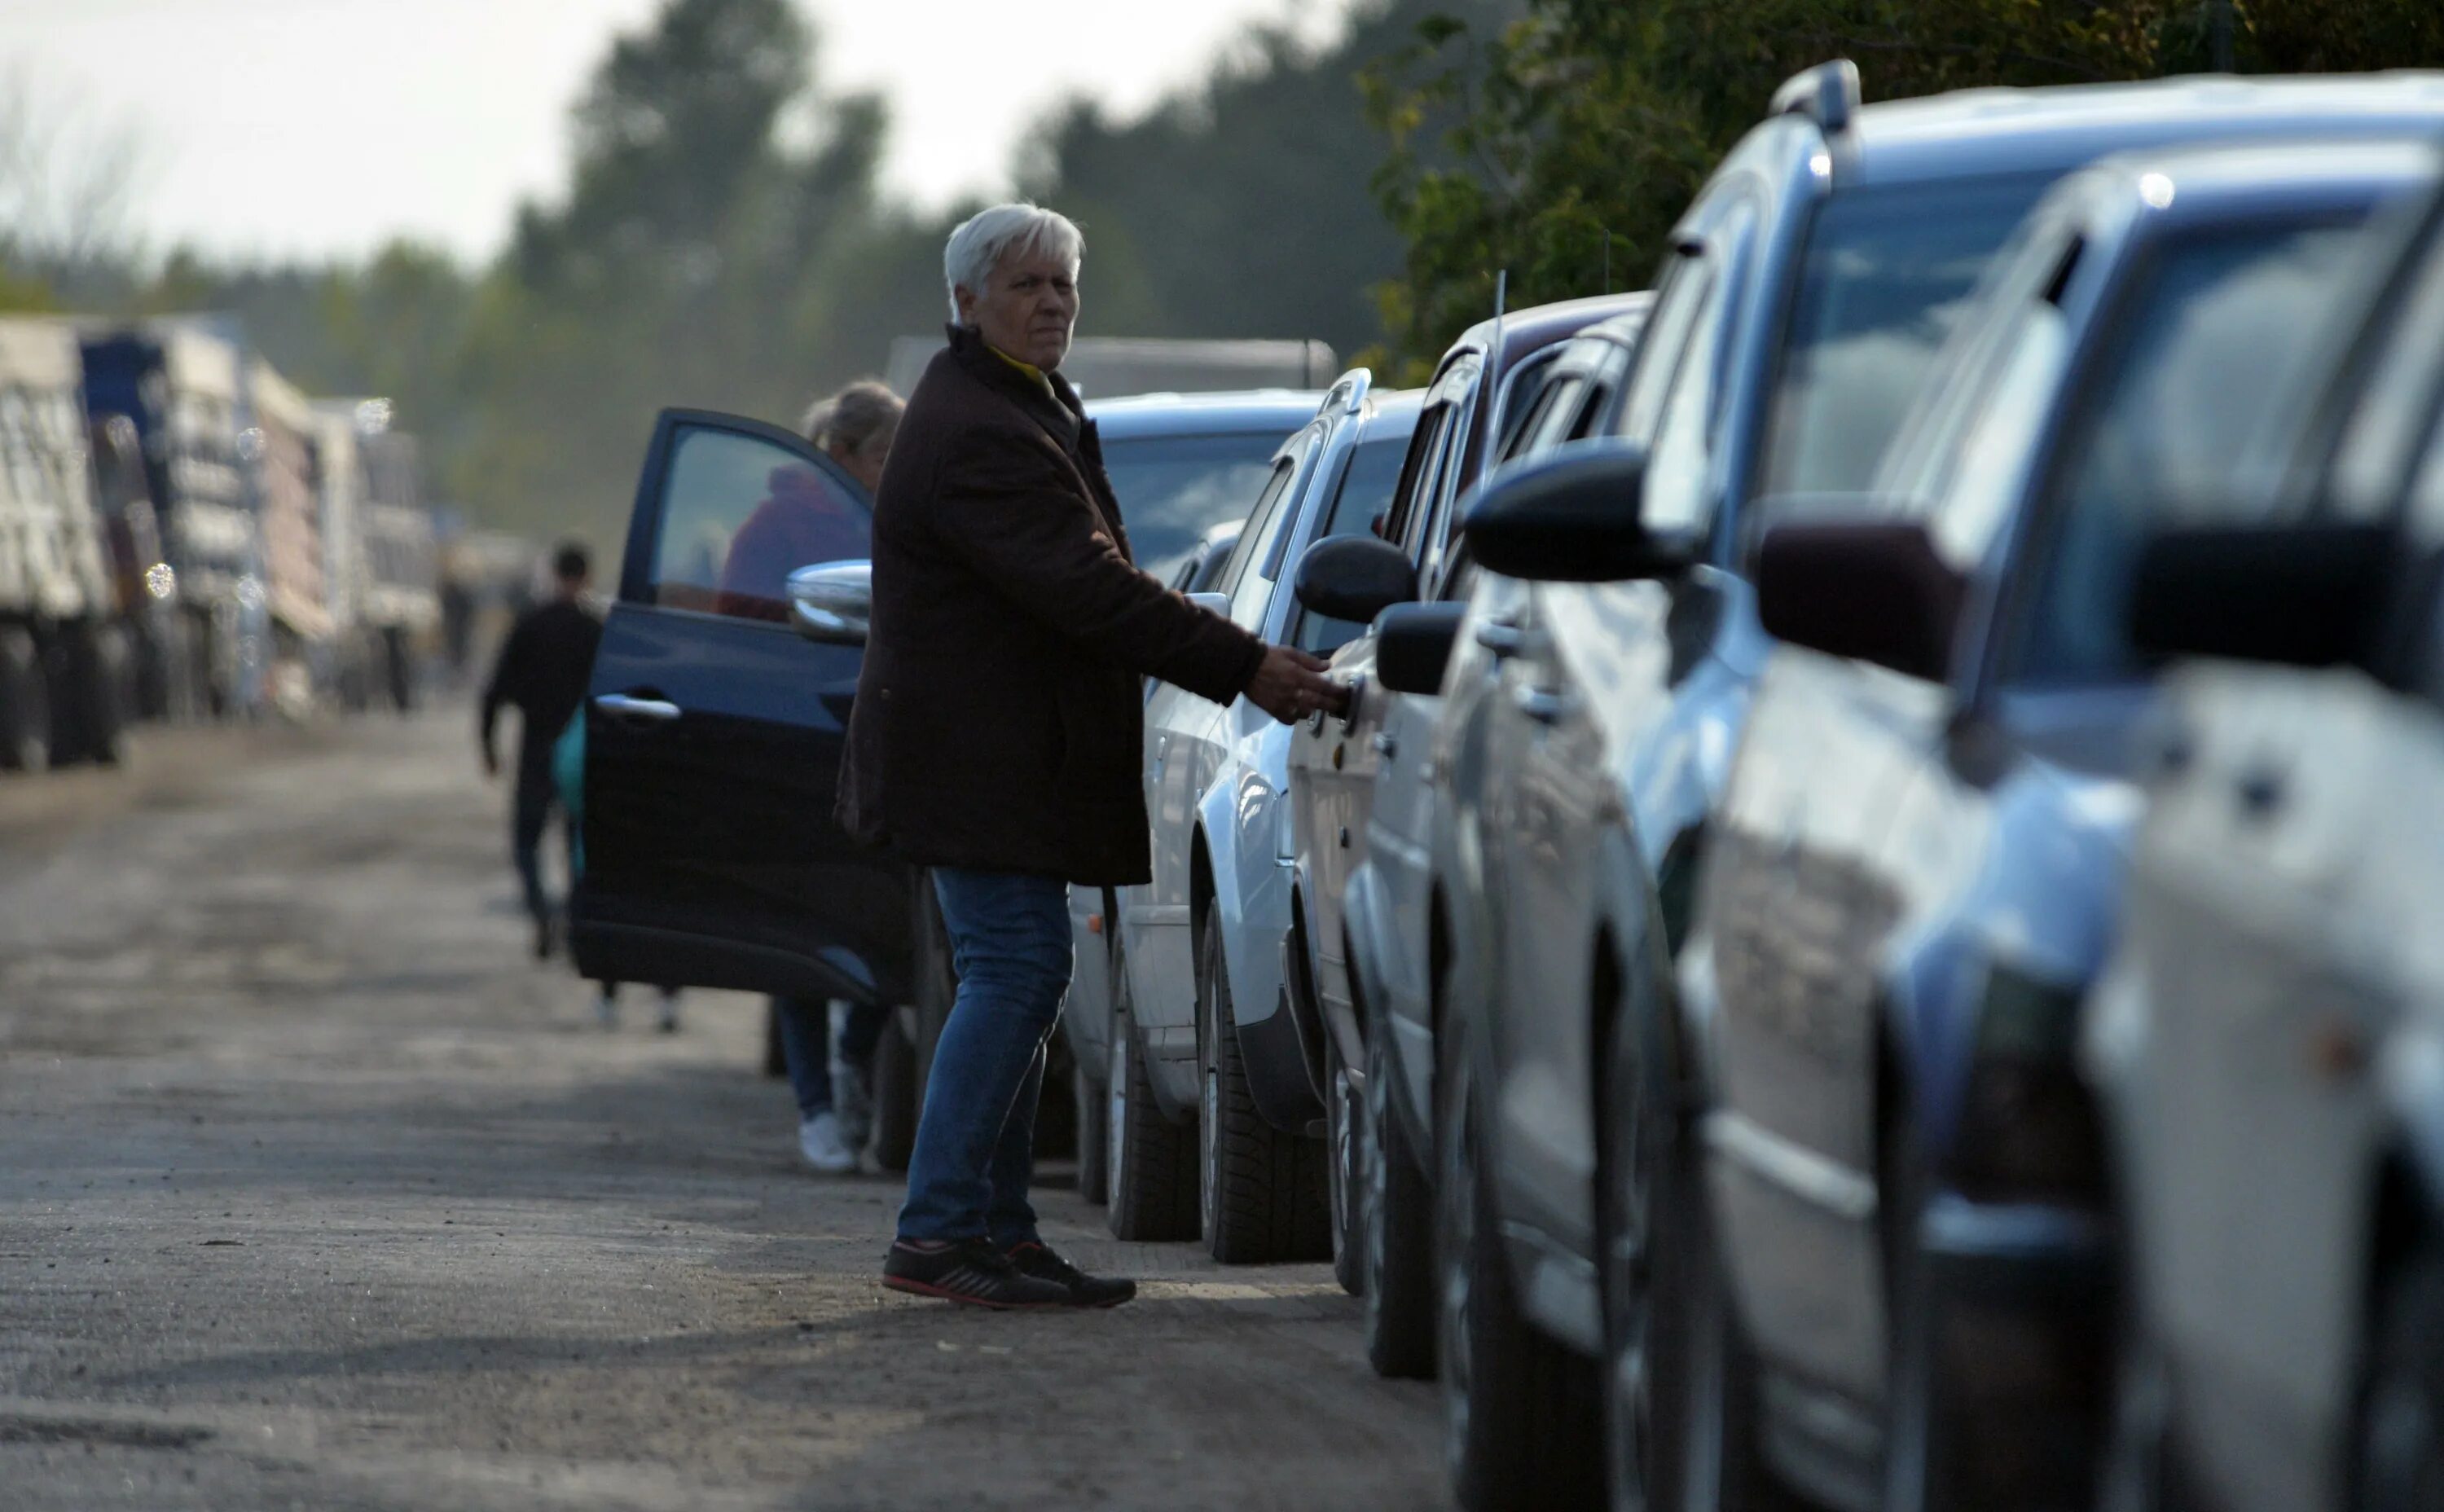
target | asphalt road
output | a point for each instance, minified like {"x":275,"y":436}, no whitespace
{"x":318,"y":1193}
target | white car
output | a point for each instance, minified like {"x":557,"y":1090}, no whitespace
{"x":1211,"y":1096}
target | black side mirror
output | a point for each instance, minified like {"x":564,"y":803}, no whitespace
{"x":1571,"y":516}
{"x":1413,"y":644}
{"x":1875,"y":589}
{"x":2300,"y":595}
{"x":1355,"y":577}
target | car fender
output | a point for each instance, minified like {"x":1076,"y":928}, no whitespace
{"x":1238,"y":822}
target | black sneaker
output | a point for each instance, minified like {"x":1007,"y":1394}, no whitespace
{"x":1041,"y":1261}
{"x":972,"y":1272}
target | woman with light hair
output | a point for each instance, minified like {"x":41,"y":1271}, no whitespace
{"x":995,"y":739}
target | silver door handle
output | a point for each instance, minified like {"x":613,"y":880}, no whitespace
{"x":627,"y":708}
{"x":1546,"y":706}
{"x":1386,"y":743}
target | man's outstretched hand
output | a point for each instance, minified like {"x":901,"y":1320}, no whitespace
{"x":1289,"y":685}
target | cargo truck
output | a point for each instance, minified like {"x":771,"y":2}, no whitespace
{"x":181,"y":384}
{"x":62,"y":655}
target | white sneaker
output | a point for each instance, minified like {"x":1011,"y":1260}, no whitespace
{"x":818,"y":1141}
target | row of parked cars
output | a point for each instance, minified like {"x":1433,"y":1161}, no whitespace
{"x":1861,"y":941}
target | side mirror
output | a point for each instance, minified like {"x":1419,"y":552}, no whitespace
{"x":1571,"y":516}
{"x":1355,"y":577}
{"x":1218,"y":603}
{"x":2299,"y":595}
{"x":1875,"y":589}
{"x":1413,"y":645}
{"x":833,"y":602}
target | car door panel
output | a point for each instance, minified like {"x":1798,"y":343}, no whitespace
{"x":711,"y":857}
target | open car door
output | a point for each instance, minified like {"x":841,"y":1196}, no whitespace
{"x":715,"y":725}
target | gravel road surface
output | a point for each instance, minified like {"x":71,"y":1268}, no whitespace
{"x":320,"y":1195}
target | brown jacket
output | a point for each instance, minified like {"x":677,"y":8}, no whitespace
{"x":999,"y":723}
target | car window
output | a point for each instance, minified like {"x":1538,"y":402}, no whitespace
{"x":1674,"y":497}
{"x":1427,"y":547}
{"x":1982,"y":473}
{"x":1172,"y":488}
{"x":1418,"y":463}
{"x":2185,"y":424}
{"x":739,"y":514}
{"x":1366,"y":488}
{"x":1885,"y":278}
{"x":2397,"y":405}
{"x":1537,"y":428}
{"x":1249,"y":578}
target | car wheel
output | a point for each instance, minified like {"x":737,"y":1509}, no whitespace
{"x":24,"y":703}
{"x":1722,"y":1459}
{"x":1094,"y":1139}
{"x":2398,"y":1441}
{"x":1398,"y":1227}
{"x":1153,"y":1177}
{"x":1520,"y":1425}
{"x":1645,"y":1261}
{"x":896,"y":1099}
{"x":1344,"y":1115}
{"x":1260,"y":1190}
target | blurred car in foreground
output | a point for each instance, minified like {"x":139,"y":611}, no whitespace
{"x":1916,"y":858}
{"x":2268,"y":1042}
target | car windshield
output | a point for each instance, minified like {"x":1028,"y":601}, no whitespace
{"x":1172,"y":488}
{"x":1888,"y":273}
{"x":2186,"y":428}
{"x":1365,"y":491}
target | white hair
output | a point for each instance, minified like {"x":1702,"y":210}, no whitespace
{"x":988,"y":236}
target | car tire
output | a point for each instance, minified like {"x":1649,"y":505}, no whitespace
{"x":1722,"y":1446}
{"x":1521,"y":1430}
{"x":1643,"y":1262}
{"x":1398,"y":1226}
{"x":1345,"y":1124}
{"x":1153,"y":1177}
{"x":2398,"y":1440}
{"x":1260,"y":1192}
{"x":1094,"y":1139}
{"x":898,"y":1096}
{"x":24,"y":703}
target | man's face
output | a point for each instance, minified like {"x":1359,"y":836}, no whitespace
{"x":1028,"y":308}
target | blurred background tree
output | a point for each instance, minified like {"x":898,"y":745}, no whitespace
{"x":1573,"y":136}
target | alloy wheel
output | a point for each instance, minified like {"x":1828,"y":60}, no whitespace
{"x":1455,"y":1249}
{"x":1115,"y":1108}
{"x":1343,"y":1114}
{"x":1209,"y":1111}
{"x":1378,"y":1180}
{"x":1629,"y":1305}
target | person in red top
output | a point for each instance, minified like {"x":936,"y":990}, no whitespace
{"x":806,"y":520}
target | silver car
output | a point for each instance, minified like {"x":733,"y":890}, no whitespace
{"x":1209,"y":1100}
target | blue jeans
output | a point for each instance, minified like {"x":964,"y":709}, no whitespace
{"x":807,"y":1045}
{"x":975,"y":1142}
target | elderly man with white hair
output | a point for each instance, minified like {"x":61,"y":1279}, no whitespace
{"x":998,"y":731}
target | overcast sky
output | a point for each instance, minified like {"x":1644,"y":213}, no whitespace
{"x":283,"y":128}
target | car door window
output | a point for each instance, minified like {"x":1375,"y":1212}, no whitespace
{"x":1365,"y":487}
{"x":2185,"y":425}
{"x":1550,"y":416}
{"x":1249,"y":577}
{"x":1980,"y":477}
{"x":740,"y":513}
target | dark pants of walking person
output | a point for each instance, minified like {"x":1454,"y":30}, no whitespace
{"x":807,"y":1045}
{"x":975,"y":1141}
{"x":530,"y":813}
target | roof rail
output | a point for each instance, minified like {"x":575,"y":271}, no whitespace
{"x":1826,"y":94}
{"x":1348,"y":391}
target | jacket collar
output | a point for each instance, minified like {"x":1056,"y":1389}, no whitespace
{"x":1058,"y":412}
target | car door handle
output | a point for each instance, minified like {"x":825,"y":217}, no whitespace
{"x":1546,"y":706}
{"x":1386,"y":743}
{"x":628,"y":706}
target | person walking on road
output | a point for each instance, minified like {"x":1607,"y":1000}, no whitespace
{"x":997,"y":728}
{"x":542,"y":673}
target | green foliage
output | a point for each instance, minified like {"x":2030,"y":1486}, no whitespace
{"x":1596,"y":116}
